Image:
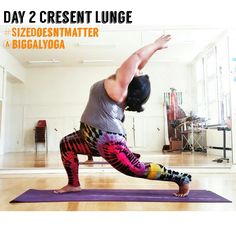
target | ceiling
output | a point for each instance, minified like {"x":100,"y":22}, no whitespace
{"x":115,"y":45}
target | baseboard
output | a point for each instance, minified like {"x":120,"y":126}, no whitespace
{"x":193,"y":170}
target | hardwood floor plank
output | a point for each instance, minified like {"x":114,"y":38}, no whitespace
{"x":13,"y":185}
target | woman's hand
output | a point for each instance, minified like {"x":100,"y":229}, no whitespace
{"x":162,"y":41}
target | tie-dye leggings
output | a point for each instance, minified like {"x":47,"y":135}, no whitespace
{"x":113,"y":148}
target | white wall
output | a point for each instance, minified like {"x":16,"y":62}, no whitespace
{"x":14,"y":116}
{"x":13,"y":70}
{"x":8,"y":102}
{"x":11,"y":65}
{"x":59,"y":95}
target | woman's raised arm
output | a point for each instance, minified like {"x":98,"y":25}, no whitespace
{"x":117,"y":87}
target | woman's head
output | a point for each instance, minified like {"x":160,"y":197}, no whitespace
{"x":138,"y":93}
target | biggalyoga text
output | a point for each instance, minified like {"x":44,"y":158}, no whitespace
{"x":38,"y":44}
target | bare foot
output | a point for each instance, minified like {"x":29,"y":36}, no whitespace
{"x":89,"y":162}
{"x":183,"y":191}
{"x":68,"y":188}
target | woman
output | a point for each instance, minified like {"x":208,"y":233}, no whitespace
{"x":102,"y":133}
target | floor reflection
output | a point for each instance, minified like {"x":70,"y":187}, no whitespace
{"x":41,"y":160}
{"x":53,"y":160}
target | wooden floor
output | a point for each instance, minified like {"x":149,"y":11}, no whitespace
{"x":13,"y":185}
{"x":101,"y":176}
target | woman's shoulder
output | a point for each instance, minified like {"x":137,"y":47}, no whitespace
{"x":114,"y":91}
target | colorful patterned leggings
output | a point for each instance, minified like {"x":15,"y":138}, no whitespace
{"x":113,"y":148}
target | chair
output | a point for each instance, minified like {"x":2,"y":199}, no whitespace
{"x":41,"y":134}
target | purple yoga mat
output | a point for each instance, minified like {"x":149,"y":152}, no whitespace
{"x":117,"y":195}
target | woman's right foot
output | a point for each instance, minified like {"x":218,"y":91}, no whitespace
{"x":68,"y":188}
{"x":183,"y":190}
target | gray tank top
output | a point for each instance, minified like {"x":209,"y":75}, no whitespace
{"x":102,"y":112}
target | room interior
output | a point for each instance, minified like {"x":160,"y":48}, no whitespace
{"x":53,"y":85}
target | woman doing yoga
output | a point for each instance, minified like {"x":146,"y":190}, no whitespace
{"x":101,"y":129}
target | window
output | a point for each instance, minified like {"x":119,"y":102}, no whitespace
{"x":224,"y":80}
{"x":200,"y":89}
{"x":211,"y":87}
{"x":213,"y":84}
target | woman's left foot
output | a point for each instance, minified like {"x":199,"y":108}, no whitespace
{"x":183,"y":190}
{"x":67,"y":189}
{"x":88,"y":162}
